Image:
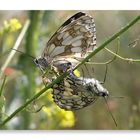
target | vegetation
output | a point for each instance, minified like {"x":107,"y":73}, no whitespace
{"x":26,"y":104}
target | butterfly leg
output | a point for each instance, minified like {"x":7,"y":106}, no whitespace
{"x":45,"y":80}
{"x":105,"y":75}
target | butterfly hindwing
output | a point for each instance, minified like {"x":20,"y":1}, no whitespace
{"x":71,"y":94}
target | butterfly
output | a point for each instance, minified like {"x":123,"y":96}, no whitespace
{"x":74,"y":93}
{"x":70,"y":43}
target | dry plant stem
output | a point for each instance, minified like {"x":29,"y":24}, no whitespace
{"x":16,"y":45}
{"x":22,"y":107}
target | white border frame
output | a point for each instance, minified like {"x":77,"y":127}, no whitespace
{"x":69,"y":135}
{"x":70,"y":5}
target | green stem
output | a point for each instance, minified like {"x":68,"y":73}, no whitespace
{"x":2,"y":87}
{"x":65,"y":74}
{"x":32,"y":99}
{"x":123,"y":58}
{"x":29,"y":70}
{"x":109,"y":40}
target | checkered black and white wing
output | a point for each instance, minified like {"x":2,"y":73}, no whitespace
{"x":73,"y":39}
{"x":71,"y":94}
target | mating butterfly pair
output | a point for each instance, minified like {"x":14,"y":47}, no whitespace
{"x":71,"y":43}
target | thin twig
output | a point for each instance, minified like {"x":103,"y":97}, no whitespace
{"x":16,"y":45}
{"x":109,"y":40}
{"x":2,"y":86}
{"x":123,"y":58}
{"x":22,"y":107}
{"x":104,"y":63}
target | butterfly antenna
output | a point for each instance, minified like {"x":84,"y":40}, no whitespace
{"x":120,"y":97}
{"x":24,"y":53}
{"x":92,"y":69}
{"x":110,"y":112}
{"x":83,"y":76}
{"x":87,"y":70}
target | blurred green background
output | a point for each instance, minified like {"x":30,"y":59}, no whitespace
{"x":24,"y":78}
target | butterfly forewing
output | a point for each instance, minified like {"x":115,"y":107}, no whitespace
{"x":74,"y":39}
{"x":71,"y":42}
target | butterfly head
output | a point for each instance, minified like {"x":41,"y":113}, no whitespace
{"x":62,"y":65}
{"x":103,"y":93}
{"x":96,"y":87}
{"x":41,"y":63}
{"x":100,"y":90}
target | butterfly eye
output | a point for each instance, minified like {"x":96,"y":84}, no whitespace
{"x":36,"y":62}
{"x":69,"y":63}
{"x":103,"y":94}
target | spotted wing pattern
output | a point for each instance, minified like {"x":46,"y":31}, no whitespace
{"x":73,"y":39}
{"x":71,"y":42}
{"x":71,"y":94}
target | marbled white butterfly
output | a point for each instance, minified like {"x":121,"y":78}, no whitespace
{"x":71,"y":42}
{"x":74,"y":93}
